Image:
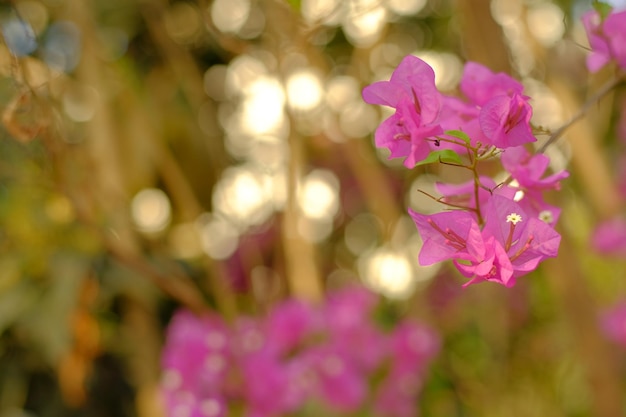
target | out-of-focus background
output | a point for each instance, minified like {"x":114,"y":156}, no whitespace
{"x":218,"y":154}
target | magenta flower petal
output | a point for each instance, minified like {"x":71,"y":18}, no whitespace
{"x":412,"y":92}
{"x":480,"y":84}
{"x":384,"y":93}
{"x":600,"y":54}
{"x":505,"y":121}
{"x":448,"y":235}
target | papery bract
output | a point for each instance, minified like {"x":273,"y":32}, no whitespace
{"x":528,"y":172}
{"x":412,"y":92}
{"x":528,"y":169}
{"x":607,"y":39}
{"x":510,"y":244}
{"x":448,"y":235}
{"x":600,"y":52}
{"x":525,"y":241}
{"x":614,"y":25}
{"x":480,"y":84}
{"x":505,"y":121}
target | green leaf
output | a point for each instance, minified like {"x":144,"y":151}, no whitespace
{"x":459,"y":134}
{"x":602,"y":8}
{"x":445,"y":155}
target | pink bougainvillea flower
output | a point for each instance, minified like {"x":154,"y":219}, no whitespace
{"x":529,"y":169}
{"x":600,"y":51}
{"x":289,"y":323}
{"x":457,"y":114}
{"x":510,"y":244}
{"x":614,"y":30}
{"x":528,"y":172}
{"x":448,"y":235}
{"x":505,"y":121}
{"x":197,"y":352}
{"x":607,"y":39}
{"x":339,"y":383}
{"x":413,"y":346}
{"x":396,"y":394}
{"x":515,"y":244}
{"x":348,"y":318}
{"x":264,"y":377}
{"x":275,"y":365}
{"x":185,"y":403}
{"x":412,"y":92}
{"x":480,"y":84}
{"x":609,"y":238}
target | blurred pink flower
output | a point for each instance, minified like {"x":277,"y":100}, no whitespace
{"x":613,"y":323}
{"x":607,"y":39}
{"x":272,"y":366}
{"x":609,"y":238}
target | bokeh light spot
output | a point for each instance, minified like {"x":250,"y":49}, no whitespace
{"x":319,"y":195}
{"x":230,"y":15}
{"x":151,"y":211}
{"x":304,"y":90}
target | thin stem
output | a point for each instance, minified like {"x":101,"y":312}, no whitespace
{"x":440,"y":200}
{"x":477,"y":185}
{"x":581,"y":112}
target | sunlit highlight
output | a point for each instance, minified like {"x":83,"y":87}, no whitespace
{"x":242,"y":72}
{"x":230,"y":15}
{"x":321,"y":11}
{"x":150,"y":210}
{"x":387,"y":272}
{"x":364,"y":21}
{"x":242,"y":197}
{"x":319,"y":195}
{"x":263,"y":106}
{"x":545,"y":22}
{"x":304,"y":90}
{"x":405,"y":7}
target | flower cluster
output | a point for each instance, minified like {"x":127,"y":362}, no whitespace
{"x":496,"y":232}
{"x":607,"y":38}
{"x":296,"y":356}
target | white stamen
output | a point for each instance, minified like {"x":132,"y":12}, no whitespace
{"x":513,"y":218}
